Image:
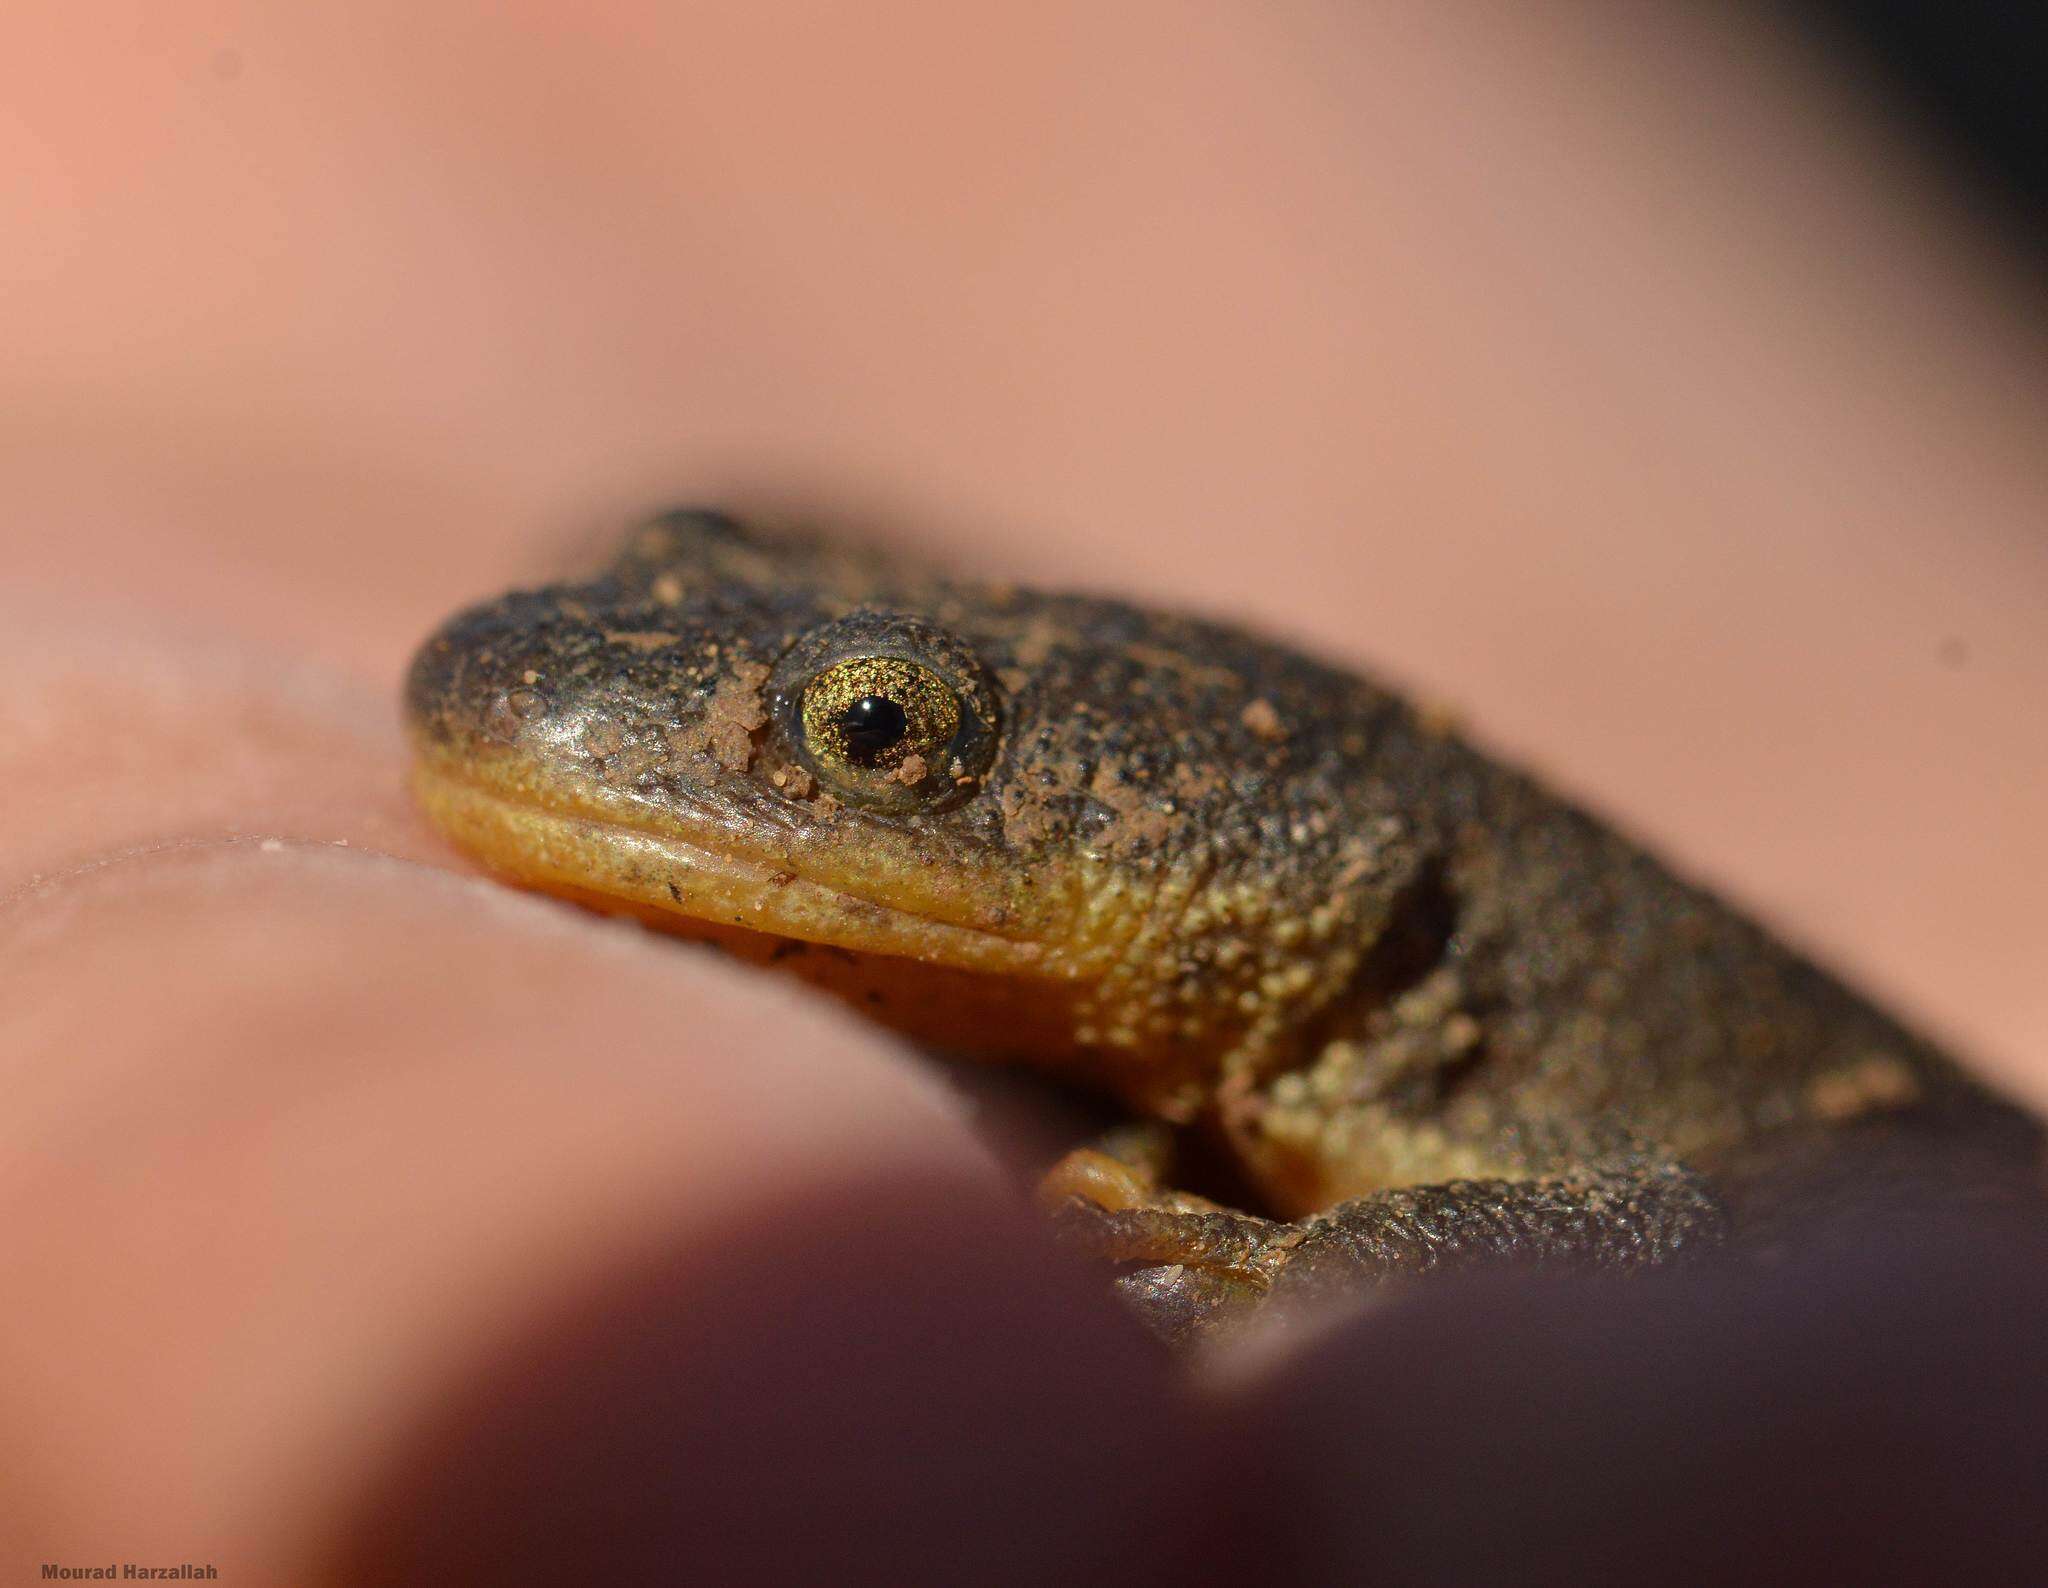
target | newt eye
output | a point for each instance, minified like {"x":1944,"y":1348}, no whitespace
{"x":884,"y":729}
{"x":879,"y":714}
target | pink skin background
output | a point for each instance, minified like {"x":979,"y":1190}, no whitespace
{"x":1621,"y":382}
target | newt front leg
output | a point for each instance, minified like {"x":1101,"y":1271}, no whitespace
{"x":1196,"y":1272}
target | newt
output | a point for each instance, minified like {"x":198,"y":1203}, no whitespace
{"x":1414,"y":1009}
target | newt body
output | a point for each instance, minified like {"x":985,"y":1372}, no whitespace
{"x":1422,"y":1007}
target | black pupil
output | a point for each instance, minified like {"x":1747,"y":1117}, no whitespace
{"x":872,"y":725}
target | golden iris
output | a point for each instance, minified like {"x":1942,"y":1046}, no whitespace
{"x":868,"y":716}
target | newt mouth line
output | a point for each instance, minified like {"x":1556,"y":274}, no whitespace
{"x":581,"y":855}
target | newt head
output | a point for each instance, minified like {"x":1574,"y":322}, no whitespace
{"x":1022,"y":826}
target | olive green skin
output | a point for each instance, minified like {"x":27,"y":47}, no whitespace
{"x":1311,"y":921}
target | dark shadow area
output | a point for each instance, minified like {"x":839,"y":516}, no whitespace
{"x":1870,"y":1407}
{"x":888,"y":1384}
{"x":1966,"y":74}
{"x":894,"y":1384}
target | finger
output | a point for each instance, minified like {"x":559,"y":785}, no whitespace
{"x":294,"y":1137}
{"x":125,"y":729}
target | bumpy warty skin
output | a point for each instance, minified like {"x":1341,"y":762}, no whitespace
{"x":1239,"y":888}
